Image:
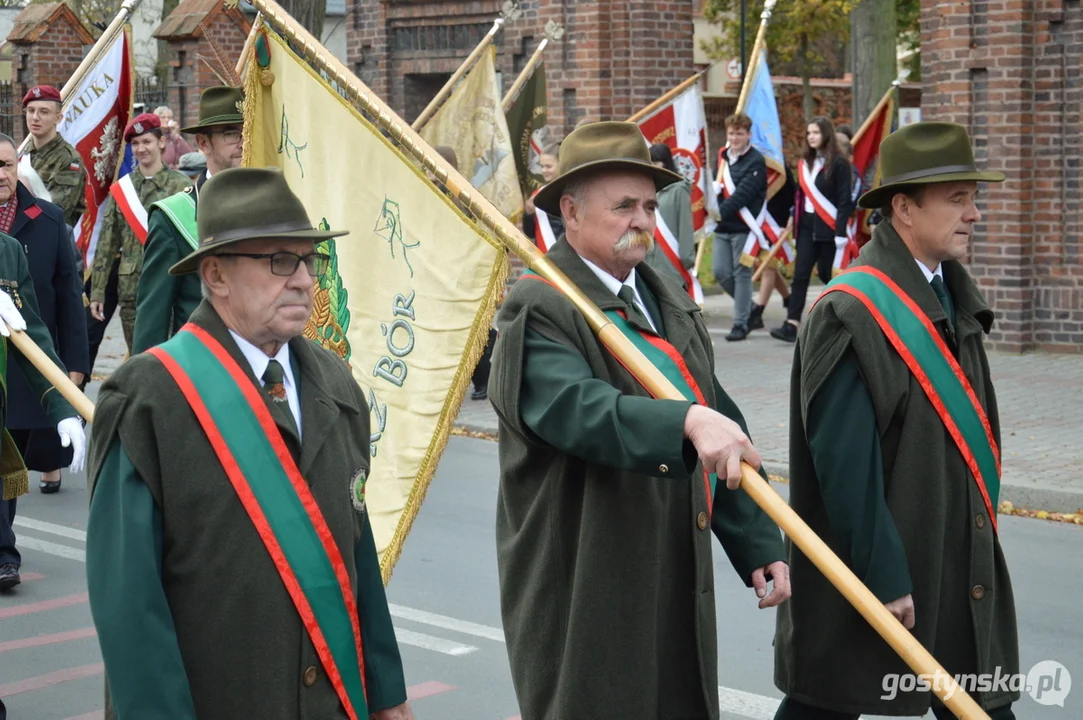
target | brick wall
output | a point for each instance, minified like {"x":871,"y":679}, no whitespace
{"x":1010,"y":71}
{"x":614,"y":58}
{"x":188,"y":75}
{"x":50,"y":60}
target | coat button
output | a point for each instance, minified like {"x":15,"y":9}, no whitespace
{"x":978,"y":592}
{"x":310,"y":677}
{"x":701,"y":521}
{"x":663,"y":468}
{"x":979,"y":521}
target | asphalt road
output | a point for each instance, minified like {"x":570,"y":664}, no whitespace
{"x":444,"y":596}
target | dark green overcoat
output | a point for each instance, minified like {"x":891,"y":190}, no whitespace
{"x":826,"y":654}
{"x":604,"y":549}
{"x":192,"y":616}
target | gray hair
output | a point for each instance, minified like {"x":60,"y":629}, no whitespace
{"x":10,"y":141}
{"x":576,"y":189}
{"x":162,"y":108}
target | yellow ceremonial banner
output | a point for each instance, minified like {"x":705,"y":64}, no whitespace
{"x":411,"y":292}
{"x":471,"y":122}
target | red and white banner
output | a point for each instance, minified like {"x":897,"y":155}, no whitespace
{"x":682,"y":125}
{"x":866,"y":144}
{"x":671,"y":248}
{"x":824,"y":207}
{"x":756,"y":240}
{"x":127,"y":199}
{"x":95,"y":115}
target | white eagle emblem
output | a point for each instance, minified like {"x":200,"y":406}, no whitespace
{"x":139,"y":128}
{"x":37,"y":92}
{"x":105,"y":155}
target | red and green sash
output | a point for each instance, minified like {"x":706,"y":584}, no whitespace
{"x":239,"y":426}
{"x":920,"y":346}
{"x":663,"y":356}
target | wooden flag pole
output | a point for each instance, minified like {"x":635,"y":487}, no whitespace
{"x":53,"y":374}
{"x":553,"y":31}
{"x":434,"y":105}
{"x":513,"y":91}
{"x":248,"y":42}
{"x":644,"y":371}
{"x":674,"y":92}
{"x":875,"y":111}
{"x":92,"y":57}
{"x":774,"y":249}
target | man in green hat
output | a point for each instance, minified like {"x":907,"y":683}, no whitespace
{"x":124,"y":229}
{"x":894,"y":453}
{"x":231,"y":566}
{"x":165,"y":301}
{"x":606,"y":494}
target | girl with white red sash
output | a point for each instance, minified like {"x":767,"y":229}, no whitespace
{"x":544,"y":228}
{"x":822,"y":208}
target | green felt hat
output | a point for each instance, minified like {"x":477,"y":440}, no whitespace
{"x":601,"y":146}
{"x":219,"y":105}
{"x":246,"y":204}
{"x":922,"y":154}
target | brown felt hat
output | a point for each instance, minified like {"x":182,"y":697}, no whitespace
{"x":601,"y":146}
{"x":246,"y":204}
{"x":922,"y":154}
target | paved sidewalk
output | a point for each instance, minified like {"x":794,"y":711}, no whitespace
{"x":1039,"y":397}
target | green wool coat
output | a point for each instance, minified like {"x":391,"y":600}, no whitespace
{"x":163,"y":301}
{"x":604,"y":554}
{"x":192,"y":616}
{"x":826,"y":654}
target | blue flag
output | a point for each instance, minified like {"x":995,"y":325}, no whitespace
{"x":762,"y":109}
{"x":128,"y":163}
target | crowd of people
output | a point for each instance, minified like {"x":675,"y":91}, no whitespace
{"x":226,"y":429}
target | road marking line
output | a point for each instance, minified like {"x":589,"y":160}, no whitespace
{"x":53,"y":678}
{"x":428,"y":642}
{"x":42,"y":606}
{"x":47,"y":639}
{"x":748,"y":705}
{"x":447,"y":623}
{"x":50,"y":528}
{"x":31,"y":577}
{"x":427,"y":689}
{"x":52,"y":548}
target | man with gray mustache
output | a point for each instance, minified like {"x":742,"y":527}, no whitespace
{"x":606,"y":493}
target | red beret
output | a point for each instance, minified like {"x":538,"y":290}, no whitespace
{"x":42,"y":92}
{"x":141,"y":124}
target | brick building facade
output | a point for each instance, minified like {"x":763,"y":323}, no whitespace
{"x":183,"y":31}
{"x":614,"y":58}
{"x":49,"y":43}
{"x":1010,"y":71}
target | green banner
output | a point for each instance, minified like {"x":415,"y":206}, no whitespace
{"x":527,"y":120}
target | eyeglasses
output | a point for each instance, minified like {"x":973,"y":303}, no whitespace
{"x":232,"y":137}
{"x":285,"y":264}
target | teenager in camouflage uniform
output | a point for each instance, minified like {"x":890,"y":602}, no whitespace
{"x":125,"y":229}
{"x":53,"y":157}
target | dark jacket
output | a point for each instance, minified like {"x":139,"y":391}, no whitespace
{"x":749,"y":174}
{"x":780,"y":206}
{"x":39,"y":227}
{"x":901,"y":507}
{"x":834,"y":183}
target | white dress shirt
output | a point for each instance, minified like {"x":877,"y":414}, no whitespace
{"x":259,"y":361}
{"x":614,"y":285}
{"x":929,"y":274}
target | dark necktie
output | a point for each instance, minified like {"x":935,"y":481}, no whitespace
{"x":274,"y":383}
{"x":634,"y":313}
{"x":942,"y":295}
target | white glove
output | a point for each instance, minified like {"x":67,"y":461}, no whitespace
{"x":71,"y":433}
{"x":10,"y":317}
{"x":840,"y":242}
{"x":717,"y":187}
